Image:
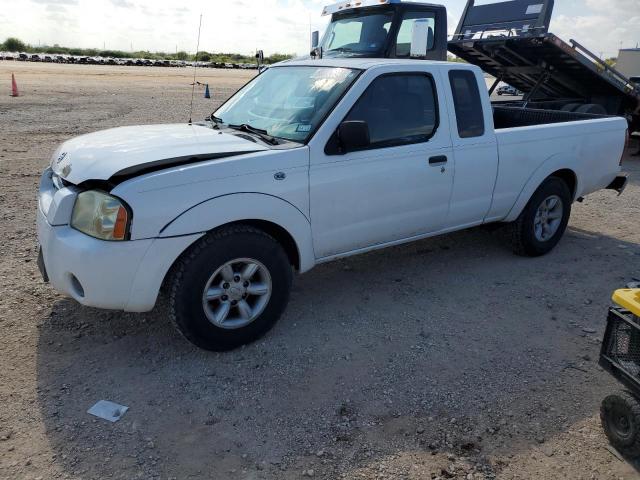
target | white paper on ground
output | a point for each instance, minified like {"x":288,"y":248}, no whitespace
{"x":108,"y":410}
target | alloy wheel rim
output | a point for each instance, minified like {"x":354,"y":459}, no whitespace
{"x":548,"y":218}
{"x":237,"y":293}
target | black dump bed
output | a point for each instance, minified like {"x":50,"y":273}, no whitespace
{"x":510,"y":40}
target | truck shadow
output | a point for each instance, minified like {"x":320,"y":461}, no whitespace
{"x":449,"y":345}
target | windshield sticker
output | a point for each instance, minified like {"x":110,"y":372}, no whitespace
{"x":534,"y":9}
{"x":302,"y":128}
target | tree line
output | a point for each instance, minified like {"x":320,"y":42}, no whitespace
{"x":16,"y":45}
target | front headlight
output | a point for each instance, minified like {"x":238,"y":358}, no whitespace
{"x":101,"y":216}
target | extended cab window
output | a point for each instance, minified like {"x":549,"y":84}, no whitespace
{"x":467,"y":102}
{"x":403,"y":42}
{"x":399,"y":109}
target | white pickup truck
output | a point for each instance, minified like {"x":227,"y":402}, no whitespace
{"x":309,"y":162}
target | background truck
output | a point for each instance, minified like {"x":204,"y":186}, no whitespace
{"x":311,"y":161}
{"x":628,"y":63}
{"x":509,"y":40}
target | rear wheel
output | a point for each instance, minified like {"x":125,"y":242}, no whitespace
{"x":230,"y":288}
{"x":543,"y":221}
{"x":620,"y":416}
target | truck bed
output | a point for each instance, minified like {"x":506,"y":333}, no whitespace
{"x":512,"y":116}
{"x":531,"y":142}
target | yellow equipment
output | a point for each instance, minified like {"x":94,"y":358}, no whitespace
{"x":629,"y":299}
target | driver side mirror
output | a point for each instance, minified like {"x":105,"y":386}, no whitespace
{"x":316,"y":50}
{"x":353,"y":135}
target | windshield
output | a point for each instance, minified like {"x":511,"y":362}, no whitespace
{"x":287,"y":102}
{"x":362,"y":34}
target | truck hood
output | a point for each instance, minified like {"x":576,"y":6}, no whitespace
{"x":128,"y":151}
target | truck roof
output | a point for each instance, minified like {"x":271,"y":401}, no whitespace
{"x":349,"y":6}
{"x":365,"y":63}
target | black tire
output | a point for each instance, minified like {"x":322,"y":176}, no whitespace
{"x":570,"y":107}
{"x":620,"y":417}
{"x":522,"y":231}
{"x":592,"y":108}
{"x":196,"y":266}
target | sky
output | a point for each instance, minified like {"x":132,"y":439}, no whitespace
{"x":242,"y":26}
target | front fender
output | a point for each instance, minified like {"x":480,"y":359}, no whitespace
{"x":560,"y":161}
{"x":239,"y":207}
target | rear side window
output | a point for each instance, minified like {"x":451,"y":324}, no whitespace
{"x":399,"y":109}
{"x":466,"y":99}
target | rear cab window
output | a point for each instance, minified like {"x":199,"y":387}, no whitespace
{"x":467,"y":103}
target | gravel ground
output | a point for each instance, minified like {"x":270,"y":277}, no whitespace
{"x":447,"y":358}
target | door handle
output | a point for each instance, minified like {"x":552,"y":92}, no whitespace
{"x":437,"y":161}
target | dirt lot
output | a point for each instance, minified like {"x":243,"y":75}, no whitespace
{"x":448,"y":358}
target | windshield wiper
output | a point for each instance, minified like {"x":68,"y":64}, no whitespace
{"x":341,"y":50}
{"x":263,"y":134}
{"x":216,"y":120}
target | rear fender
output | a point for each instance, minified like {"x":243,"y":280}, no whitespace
{"x":239,"y":207}
{"x":562,"y":161}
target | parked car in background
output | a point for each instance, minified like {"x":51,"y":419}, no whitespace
{"x":508,"y":90}
{"x":97,"y":60}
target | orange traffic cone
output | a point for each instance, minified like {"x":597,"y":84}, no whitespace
{"x":14,"y":86}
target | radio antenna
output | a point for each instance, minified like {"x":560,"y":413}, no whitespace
{"x":195,"y":70}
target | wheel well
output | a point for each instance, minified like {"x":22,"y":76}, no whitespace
{"x":283,"y":237}
{"x":569,"y":177}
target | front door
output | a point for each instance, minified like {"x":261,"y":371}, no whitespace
{"x":397,"y":188}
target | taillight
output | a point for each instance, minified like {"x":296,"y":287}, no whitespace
{"x":627,"y":138}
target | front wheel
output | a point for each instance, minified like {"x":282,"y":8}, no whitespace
{"x":543,"y":221}
{"x":230,"y":288}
